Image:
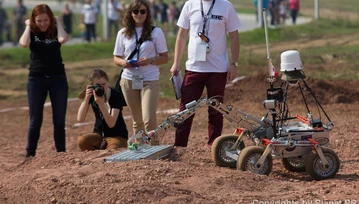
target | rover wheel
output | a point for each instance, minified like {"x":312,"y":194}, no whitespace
{"x":219,"y":147}
{"x":315,"y":168}
{"x":294,"y":164}
{"x":248,"y":158}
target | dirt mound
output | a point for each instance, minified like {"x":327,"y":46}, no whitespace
{"x":253,"y":89}
{"x":188,"y":175}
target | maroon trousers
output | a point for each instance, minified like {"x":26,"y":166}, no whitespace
{"x":192,"y":89}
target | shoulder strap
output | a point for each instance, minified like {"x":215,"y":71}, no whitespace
{"x":135,"y":50}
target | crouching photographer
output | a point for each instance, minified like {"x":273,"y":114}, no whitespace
{"x":110,"y":130}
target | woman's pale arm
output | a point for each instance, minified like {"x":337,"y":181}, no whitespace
{"x":62,"y":36}
{"x":25,"y":39}
{"x":110,"y":119}
{"x":81,"y":114}
{"x":121,"y":62}
{"x":162,"y":58}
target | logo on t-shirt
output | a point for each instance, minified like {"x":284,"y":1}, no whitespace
{"x":217,"y":17}
{"x":46,"y":41}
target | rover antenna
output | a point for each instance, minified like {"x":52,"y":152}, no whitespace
{"x":271,"y":69}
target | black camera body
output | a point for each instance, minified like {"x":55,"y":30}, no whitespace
{"x":99,"y":90}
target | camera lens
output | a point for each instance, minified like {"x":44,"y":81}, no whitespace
{"x":99,"y":91}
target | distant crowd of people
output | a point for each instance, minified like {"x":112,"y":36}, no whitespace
{"x":164,"y":16}
{"x":89,"y":10}
{"x":6,"y":23}
{"x":278,"y":10}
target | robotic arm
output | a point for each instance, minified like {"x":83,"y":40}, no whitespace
{"x":142,"y":139}
{"x":249,"y":122}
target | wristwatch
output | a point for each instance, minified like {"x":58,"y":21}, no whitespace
{"x":153,"y":59}
{"x":235,"y":64}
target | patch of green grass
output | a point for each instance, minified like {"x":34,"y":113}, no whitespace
{"x":88,"y":51}
{"x":341,"y":5}
{"x":14,"y":57}
{"x":314,"y":29}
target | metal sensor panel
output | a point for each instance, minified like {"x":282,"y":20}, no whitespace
{"x":151,"y":153}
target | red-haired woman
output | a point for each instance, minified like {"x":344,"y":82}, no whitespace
{"x":44,"y":35}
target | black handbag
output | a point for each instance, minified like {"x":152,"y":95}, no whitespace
{"x":118,"y":88}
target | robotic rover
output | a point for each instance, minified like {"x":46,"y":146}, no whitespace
{"x":299,"y":141}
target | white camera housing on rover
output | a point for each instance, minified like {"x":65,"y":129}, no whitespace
{"x":290,"y":61}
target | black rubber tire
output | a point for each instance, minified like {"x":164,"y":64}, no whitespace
{"x":294,"y":164}
{"x":220,"y":144}
{"x":315,"y":168}
{"x":249,"y":156}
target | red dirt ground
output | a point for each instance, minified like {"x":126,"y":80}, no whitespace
{"x":188,"y":175}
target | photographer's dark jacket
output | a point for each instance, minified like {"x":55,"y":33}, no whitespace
{"x":45,"y":55}
{"x":101,"y":126}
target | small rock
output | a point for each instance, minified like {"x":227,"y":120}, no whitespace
{"x":53,"y":200}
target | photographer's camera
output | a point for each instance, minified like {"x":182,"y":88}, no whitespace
{"x":99,"y":90}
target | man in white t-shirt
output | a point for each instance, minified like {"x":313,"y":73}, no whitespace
{"x":89,"y":13}
{"x":113,"y":9}
{"x":207,"y":23}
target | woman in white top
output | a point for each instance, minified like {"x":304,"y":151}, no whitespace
{"x":144,"y":44}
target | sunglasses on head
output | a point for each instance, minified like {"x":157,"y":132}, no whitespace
{"x":142,"y":11}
